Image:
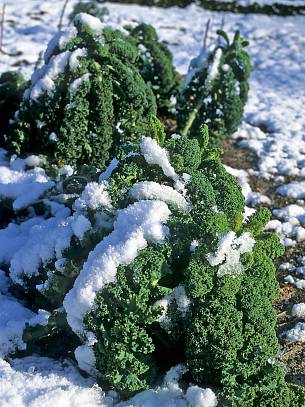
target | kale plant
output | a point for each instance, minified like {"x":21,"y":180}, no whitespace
{"x":12,"y":85}
{"x":91,"y":7}
{"x":159,"y":267}
{"x":86,"y":99}
{"x":156,"y":67}
{"x":215,"y":90}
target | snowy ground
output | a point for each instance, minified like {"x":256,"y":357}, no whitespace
{"x":274,"y":128}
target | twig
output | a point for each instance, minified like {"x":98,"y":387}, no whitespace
{"x":16,"y":54}
{"x":2,"y":26}
{"x":205,"y":38}
{"x":62,"y":14}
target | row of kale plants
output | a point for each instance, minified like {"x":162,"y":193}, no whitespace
{"x":135,"y":251}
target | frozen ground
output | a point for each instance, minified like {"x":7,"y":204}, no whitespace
{"x":274,"y":128}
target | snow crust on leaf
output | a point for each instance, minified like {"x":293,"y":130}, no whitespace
{"x":94,"y":196}
{"x":154,"y":154}
{"x":89,"y":21}
{"x":85,"y":357}
{"x":227,"y":255}
{"x":74,"y":62}
{"x":76,"y":84}
{"x":109,"y":170}
{"x":80,"y":225}
{"x":35,"y":241}
{"x":13,"y":316}
{"x":44,"y":79}
{"x":135,"y":226}
{"x":183,"y":303}
{"x":198,"y":397}
{"x":24,"y":187}
{"x":154,"y":190}
{"x":60,"y":39}
{"x":213,"y":69}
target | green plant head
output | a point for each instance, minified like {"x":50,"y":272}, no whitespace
{"x":86,"y":100}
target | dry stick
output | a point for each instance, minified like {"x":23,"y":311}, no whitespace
{"x":2,"y":35}
{"x":2,"y":26}
{"x":205,"y":38}
{"x":194,"y":112}
{"x":62,"y":14}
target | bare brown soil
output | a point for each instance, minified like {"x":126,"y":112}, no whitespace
{"x":292,"y":354}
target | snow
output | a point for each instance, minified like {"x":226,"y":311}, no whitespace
{"x":74,"y":62}
{"x":66,"y":170}
{"x":296,"y":334}
{"x":294,"y":190}
{"x":23,"y":187}
{"x":59,"y":40}
{"x":53,"y":137}
{"x":40,"y":319}
{"x":30,"y":161}
{"x":39,"y":381}
{"x":43,"y":82}
{"x":171,"y":395}
{"x":182,"y":301}
{"x":296,"y":282}
{"x":225,"y":243}
{"x":135,"y":226}
{"x":213,"y":69}
{"x":193,"y":246}
{"x":76,"y":84}
{"x":298,"y":310}
{"x":227,"y":255}
{"x":198,"y":397}
{"x":153,"y":190}
{"x":175,"y":374}
{"x":26,"y":246}
{"x":93,"y":23}
{"x":196,"y":65}
{"x":297,"y":270}
{"x":13,"y":316}
{"x":199,"y":62}
{"x":94,"y":196}
{"x":85,"y":357}
{"x":109,"y":170}
{"x":154,"y":154}
{"x":289,"y":225}
{"x":80,"y":225}
{"x":252,"y":198}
